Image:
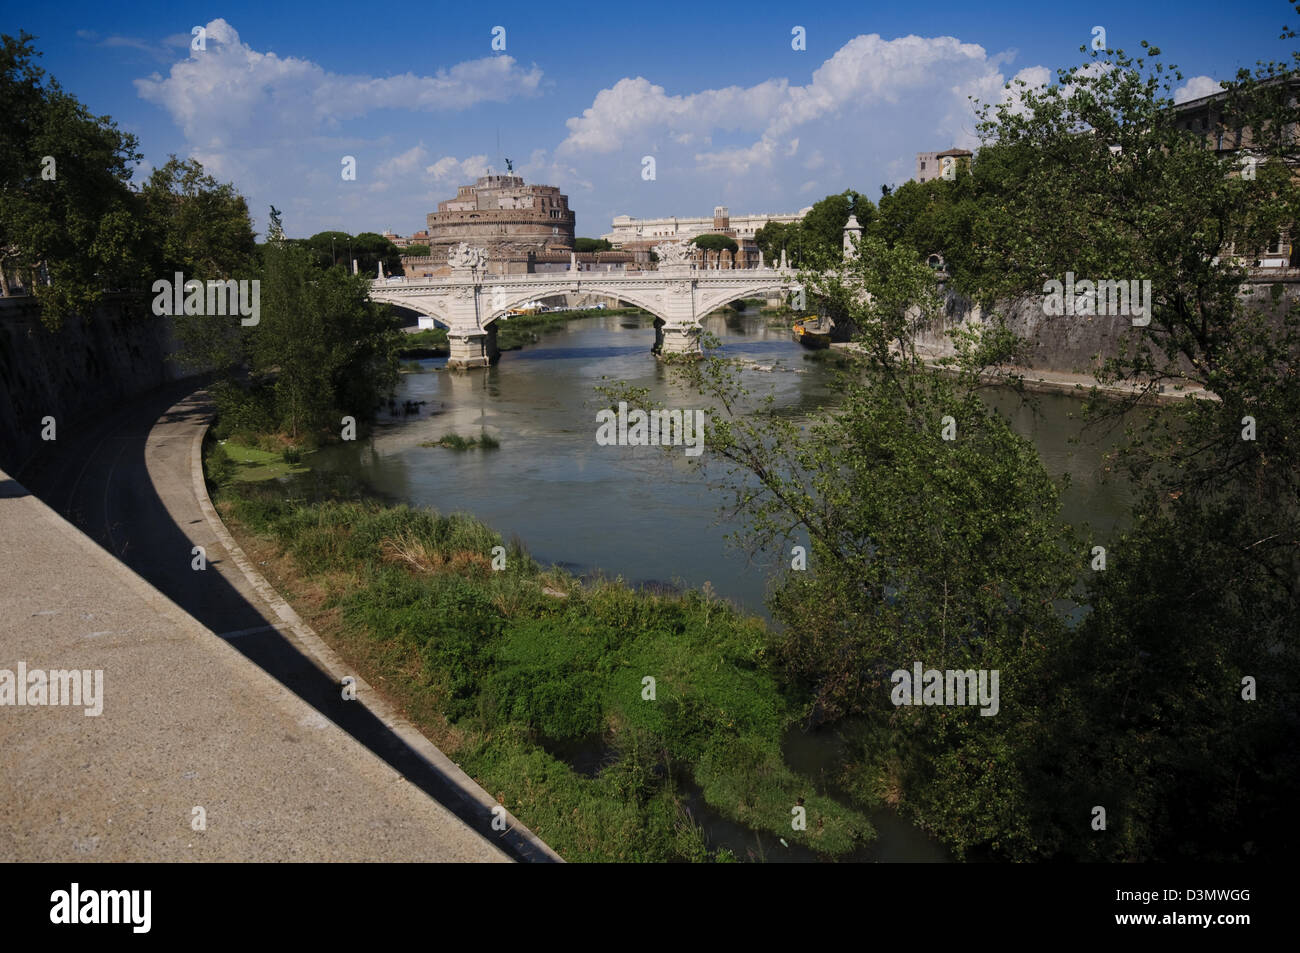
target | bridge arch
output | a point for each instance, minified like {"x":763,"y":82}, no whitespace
{"x":677,"y":295}
{"x":647,"y":302}
{"x":417,"y":306}
{"x":712,"y":302}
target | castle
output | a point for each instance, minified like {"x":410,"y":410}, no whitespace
{"x":520,"y":226}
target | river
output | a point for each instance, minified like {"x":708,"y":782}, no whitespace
{"x":634,"y":511}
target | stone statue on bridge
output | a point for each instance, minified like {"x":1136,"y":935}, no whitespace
{"x":465,"y":255}
{"x":674,"y":253}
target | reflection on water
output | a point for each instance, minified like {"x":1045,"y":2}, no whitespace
{"x":632,"y":511}
{"x":629,"y":511}
{"x":641,"y":514}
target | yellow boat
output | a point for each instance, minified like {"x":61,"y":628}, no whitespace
{"x":810,"y":333}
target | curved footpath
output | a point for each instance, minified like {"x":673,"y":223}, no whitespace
{"x":216,"y":695}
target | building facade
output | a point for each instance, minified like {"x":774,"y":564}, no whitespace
{"x":927,"y":166}
{"x":638,"y":236}
{"x":419,"y":238}
{"x":1205,"y":117}
{"x":512,"y":221}
{"x":931,"y":165}
{"x":625,"y":229}
{"x":502,"y":213}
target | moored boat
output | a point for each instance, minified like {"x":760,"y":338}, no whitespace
{"x":811,"y":333}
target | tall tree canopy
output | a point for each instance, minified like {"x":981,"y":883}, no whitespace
{"x":1203,"y":592}
{"x":712,"y":242}
{"x":70,"y":226}
{"x":368,"y":249}
{"x":201,"y":226}
{"x":819,"y":236}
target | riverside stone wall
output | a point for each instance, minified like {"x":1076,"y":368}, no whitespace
{"x":1078,"y":344}
{"x":84,"y":370}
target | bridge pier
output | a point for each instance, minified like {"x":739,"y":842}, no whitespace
{"x":470,"y":349}
{"x":674,"y":340}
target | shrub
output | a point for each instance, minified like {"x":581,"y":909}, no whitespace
{"x":218,"y":467}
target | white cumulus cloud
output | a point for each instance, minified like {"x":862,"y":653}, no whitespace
{"x":859,"y":116}
{"x":278,"y":126}
{"x":459,"y":170}
{"x":1195,"y":88}
{"x":229,"y":90}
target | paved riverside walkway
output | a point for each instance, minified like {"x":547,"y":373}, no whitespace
{"x":128,"y":480}
{"x":186,"y":722}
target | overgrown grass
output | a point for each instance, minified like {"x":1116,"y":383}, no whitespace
{"x":503,"y":665}
{"x":452,"y":441}
{"x":231,"y":460}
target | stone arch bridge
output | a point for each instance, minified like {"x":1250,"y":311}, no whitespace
{"x":678,"y":294}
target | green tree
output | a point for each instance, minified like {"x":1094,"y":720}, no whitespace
{"x":370,"y":249}
{"x":1202,"y":592}
{"x":817,"y":240}
{"x":775,"y":236}
{"x":907,"y":217}
{"x":202,"y":226}
{"x":329,"y":351}
{"x":713,"y":242}
{"x":822,"y":228}
{"x":70,"y":225}
{"x":920,"y":548}
{"x":333,"y":248}
{"x":591,"y":244}
{"x":939,"y":216}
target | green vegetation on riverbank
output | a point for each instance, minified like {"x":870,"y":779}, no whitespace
{"x":453,"y":441}
{"x":430,"y":342}
{"x":517,"y":330}
{"x":947,"y":548}
{"x":252,"y":459}
{"x":232,"y":460}
{"x":509,"y":670}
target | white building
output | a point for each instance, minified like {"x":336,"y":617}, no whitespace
{"x":626,"y":229}
{"x":929,"y":165}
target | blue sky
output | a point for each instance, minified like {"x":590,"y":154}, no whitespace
{"x":582,"y":92}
